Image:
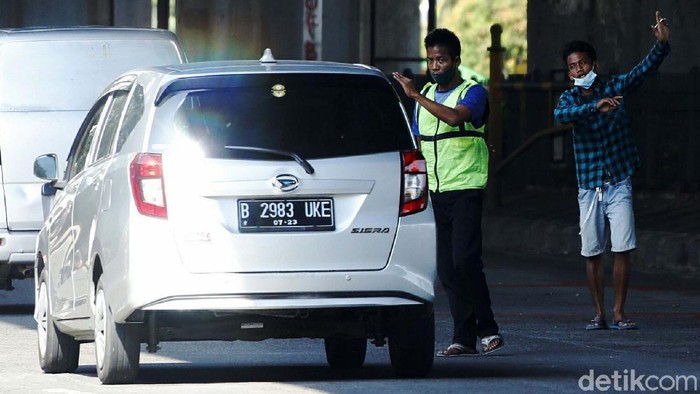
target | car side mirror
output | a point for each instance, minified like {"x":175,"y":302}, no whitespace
{"x":46,"y":167}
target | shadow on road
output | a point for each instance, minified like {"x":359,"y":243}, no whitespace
{"x":174,"y":373}
{"x":16,"y":309}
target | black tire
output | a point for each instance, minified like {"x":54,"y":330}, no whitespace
{"x":58,"y":352}
{"x":346,"y":352}
{"x":117,"y":346}
{"x":412,"y":347}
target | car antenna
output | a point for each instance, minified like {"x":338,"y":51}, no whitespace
{"x":267,"y":56}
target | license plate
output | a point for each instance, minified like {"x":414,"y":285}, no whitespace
{"x":303,"y":214}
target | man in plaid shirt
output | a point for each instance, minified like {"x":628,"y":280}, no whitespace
{"x":606,"y":156}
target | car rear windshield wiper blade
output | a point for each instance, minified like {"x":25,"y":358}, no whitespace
{"x":302,"y":162}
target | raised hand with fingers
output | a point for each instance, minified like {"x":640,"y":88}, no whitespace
{"x":406,"y":84}
{"x":661,"y":30}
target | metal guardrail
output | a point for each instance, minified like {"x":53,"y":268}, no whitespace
{"x":525,"y":145}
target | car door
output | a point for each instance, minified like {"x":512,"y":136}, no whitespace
{"x":88,"y":198}
{"x":62,"y":231}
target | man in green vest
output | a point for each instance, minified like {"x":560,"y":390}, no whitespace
{"x":449,"y":122}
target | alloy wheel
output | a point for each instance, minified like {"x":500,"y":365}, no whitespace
{"x":100,"y":326}
{"x":42,"y":321}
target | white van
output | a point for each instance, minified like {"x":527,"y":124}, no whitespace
{"x":49,"y":79}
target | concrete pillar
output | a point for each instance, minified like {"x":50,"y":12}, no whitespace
{"x":21,"y":13}
{"x":226,"y":30}
{"x":134,"y":13}
{"x":397,"y":35}
{"x":10,"y":13}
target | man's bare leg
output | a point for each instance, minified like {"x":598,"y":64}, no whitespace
{"x":621,"y":277}
{"x":596,"y":284}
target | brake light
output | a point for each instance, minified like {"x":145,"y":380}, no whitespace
{"x":146,"y":173}
{"x":414,"y":192}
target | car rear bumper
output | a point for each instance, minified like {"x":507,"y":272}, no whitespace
{"x":375,"y":322}
{"x":288,"y":291}
{"x":249,"y":302}
{"x":17,"y":247}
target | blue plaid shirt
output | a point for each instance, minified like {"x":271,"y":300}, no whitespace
{"x":604,"y":148}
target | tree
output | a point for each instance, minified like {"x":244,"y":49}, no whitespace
{"x":471,"y":21}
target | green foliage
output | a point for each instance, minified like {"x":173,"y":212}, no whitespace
{"x":471,"y":20}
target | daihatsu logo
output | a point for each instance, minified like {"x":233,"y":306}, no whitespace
{"x":285,"y":182}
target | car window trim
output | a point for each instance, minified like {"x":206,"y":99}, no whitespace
{"x":83,"y":130}
{"x":122,"y":110}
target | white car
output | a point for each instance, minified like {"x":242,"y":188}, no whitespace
{"x":239,"y":200}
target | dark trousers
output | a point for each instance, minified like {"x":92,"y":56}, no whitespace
{"x":459,"y":265}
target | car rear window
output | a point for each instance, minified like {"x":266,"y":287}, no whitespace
{"x":312,"y":115}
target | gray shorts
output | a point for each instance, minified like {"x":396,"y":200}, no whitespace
{"x":612,"y":204}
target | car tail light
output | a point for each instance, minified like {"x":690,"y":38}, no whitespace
{"x":147,"y":185}
{"x":414,"y":190}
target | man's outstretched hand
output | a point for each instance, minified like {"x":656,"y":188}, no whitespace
{"x":406,"y":84}
{"x":608,"y":104}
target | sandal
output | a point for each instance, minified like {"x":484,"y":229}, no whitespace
{"x":597,"y":324}
{"x":624,"y":325}
{"x":457,"y":350}
{"x":491,"y":344}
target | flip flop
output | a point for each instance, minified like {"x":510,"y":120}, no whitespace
{"x":624,"y":325}
{"x":457,"y":350}
{"x":487,"y":344}
{"x":596,"y":324}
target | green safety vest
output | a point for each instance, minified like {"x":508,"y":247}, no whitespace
{"x":457,"y":157}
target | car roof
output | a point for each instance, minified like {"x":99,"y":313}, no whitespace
{"x":81,"y":32}
{"x":259,"y":67}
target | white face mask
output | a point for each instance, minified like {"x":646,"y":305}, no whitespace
{"x":586,"y":81}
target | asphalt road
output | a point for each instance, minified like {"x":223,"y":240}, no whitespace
{"x":541,"y":304}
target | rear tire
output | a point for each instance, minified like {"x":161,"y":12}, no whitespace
{"x":346,"y":352}
{"x":117,"y":346}
{"x":412,"y":347}
{"x":58,"y":352}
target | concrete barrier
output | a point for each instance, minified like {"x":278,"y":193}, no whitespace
{"x":657,"y":251}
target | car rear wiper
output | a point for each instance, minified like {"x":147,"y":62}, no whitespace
{"x":302,"y":162}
